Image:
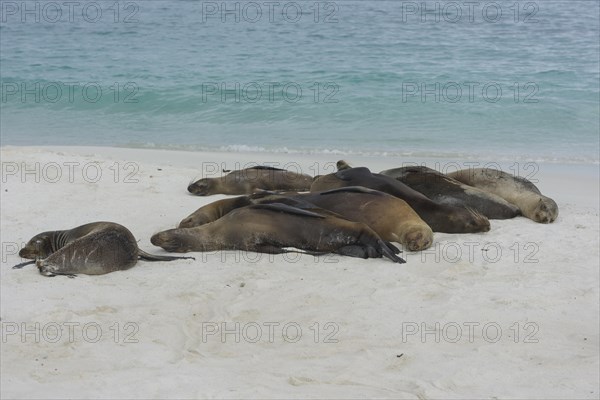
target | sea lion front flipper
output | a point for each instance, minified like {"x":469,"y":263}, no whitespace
{"x":352,"y":173}
{"x":280,"y":199}
{"x":266,"y":167}
{"x":21,"y":265}
{"x":276,"y":249}
{"x":352,"y":189}
{"x":155,"y":257}
{"x":280,"y":207}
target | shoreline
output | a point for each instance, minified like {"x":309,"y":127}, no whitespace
{"x":576,"y":182}
{"x":471,"y":156}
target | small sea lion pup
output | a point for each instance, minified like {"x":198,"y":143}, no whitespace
{"x":514,"y":189}
{"x":246,"y":181}
{"x":279,"y":228}
{"x":94,"y":249}
{"x":440,"y":217}
{"x":390,"y":217}
{"x":445,"y":190}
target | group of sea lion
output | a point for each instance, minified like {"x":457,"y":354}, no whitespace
{"x":351,"y":212}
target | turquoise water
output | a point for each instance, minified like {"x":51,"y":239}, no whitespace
{"x":150,"y":74}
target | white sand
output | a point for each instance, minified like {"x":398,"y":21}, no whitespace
{"x":545,"y":284}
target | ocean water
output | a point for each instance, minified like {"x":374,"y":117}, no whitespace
{"x":504,"y":79}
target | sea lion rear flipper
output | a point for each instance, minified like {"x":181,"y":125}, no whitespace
{"x":288,"y":209}
{"x":155,"y":257}
{"x":353,"y":251}
{"x":393,"y":248}
{"x":342,"y":164}
{"x":384,"y":249}
{"x":388,"y":251}
{"x":275,"y":249}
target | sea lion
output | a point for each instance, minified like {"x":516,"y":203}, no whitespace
{"x":246,"y":181}
{"x":93,"y":249}
{"x":445,"y":190}
{"x":440,"y":217}
{"x":514,"y":189}
{"x":275,"y":228}
{"x":390,"y":217}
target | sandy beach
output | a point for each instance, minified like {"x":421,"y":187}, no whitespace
{"x":511,"y":313}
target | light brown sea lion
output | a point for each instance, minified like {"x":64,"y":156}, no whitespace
{"x":445,"y":190}
{"x":275,"y":228}
{"x":440,"y":217}
{"x":514,"y":189}
{"x":390,"y":217}
{"x":93,"y":249}
{"x":247,"y":181}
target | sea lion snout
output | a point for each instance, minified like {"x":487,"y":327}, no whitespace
{"x":159,"y":238}
{"x":194,"y":220}
{"x":546,"y":211}
{"x":37,"y":247}
{"x":186,"y":223}
{"x":170,"y":241}
{"x":199,"y":188}
{"x":26,"y":253}
{"x":418,"y":238}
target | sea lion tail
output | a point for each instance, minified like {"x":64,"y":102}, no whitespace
{"x":155,"y":257}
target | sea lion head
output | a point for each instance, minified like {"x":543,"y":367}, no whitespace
{"x":172,"y":240}
{"x":195,"y":219}
{"x":201,"y":187}
{"x":40,"y":246}
{"x":545,"y":211}
{"x":417,"y":237}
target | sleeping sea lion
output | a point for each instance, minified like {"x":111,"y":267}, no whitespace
{"x":94,"y":249}
{"x":390,"y":217}
{"x":248,"y":180}
{"x":445,"y":190}
{"x":514,"y":189}
{"x":440,"y":217}
{"x":275,"y":228}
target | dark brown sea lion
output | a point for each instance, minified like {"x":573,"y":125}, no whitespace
{"x":247,"y":181}
{"x":440,"y":217}
{"x":516,"y":190}
{"x":275,"y":228}
{"x":94,"y":249}
{"x":444,"y":190}
{"x":390,"y":217}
